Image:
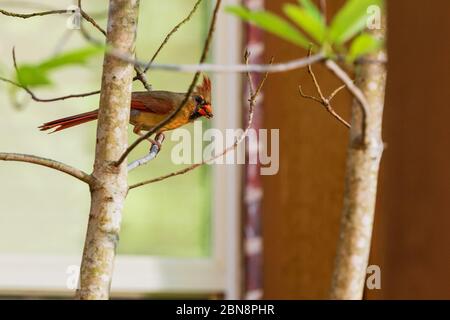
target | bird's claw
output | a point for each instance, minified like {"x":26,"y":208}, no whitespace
{"x":159,"y":138}
{"x":155,"y":143}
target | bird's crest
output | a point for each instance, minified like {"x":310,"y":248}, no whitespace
{"x":204,"y":89}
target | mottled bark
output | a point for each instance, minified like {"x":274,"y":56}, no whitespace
{"x":109,"y":192}
{"x":361,"y":181}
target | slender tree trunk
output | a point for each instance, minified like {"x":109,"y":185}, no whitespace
{"x":109,"y":192}
{"x":361,"y":181}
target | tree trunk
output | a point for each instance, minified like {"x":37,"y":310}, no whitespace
{"x":109,"y":191}
{"x":361,"y":180}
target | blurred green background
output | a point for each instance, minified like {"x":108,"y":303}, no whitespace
{"x":45,"y":212}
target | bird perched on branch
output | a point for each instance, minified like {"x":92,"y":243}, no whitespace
{"x":148,"y":109}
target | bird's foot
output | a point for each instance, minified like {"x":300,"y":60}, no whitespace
{"x":159,"y":138}
{"x":154,"y":143}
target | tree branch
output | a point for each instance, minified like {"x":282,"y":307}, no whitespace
{"x":356,"y":92}
{"x":252,"y":100}
{"x":227,"y":68}
{"x":49,"y":163}
{"x":188,"y":68}
{"x":140,"y":75}
{"x":34,"y":96}
{"x":91,"y":20}
{"x":188,"y":93}
{"x":203,"y":67}
{"x":37,"y":99}
{"x":171,"y":33}
{"x":154,"y":150}
{"x":325,"y":102}
{"x":34,"y":14}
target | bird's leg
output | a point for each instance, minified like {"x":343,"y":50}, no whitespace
{"x":159,"y":138}
{"x":138,"y":130}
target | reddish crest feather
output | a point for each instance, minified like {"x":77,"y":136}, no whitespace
{"x":204,"y":89}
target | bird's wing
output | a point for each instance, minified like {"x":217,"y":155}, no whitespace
{"x":154,"y":102}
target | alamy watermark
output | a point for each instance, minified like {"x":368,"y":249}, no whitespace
{"x":73,"y":275}
{"x":373,"y":21}
{"x":190,"y":147}
{"x":373,"y":281}
{"x":74,"y":20}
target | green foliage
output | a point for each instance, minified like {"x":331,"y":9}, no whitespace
{"x":32,"y":76}
{"x":312,"y":9}
{"x":363,"y":44}
{"x":309,"y":21}
{"x":35,"y":75}
{"x":332,"y":39}
{"x":271,"y":23}
{"x":350,"y":20}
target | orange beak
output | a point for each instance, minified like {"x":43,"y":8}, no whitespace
{"x":206,"y":111}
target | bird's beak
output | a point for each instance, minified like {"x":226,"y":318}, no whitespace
{"x":208,"y":111}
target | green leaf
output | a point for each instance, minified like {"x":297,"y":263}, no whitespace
{"x":35,"y":75}
{"x":271,"y":23}
{"x":74,"y":57}
{"x":350,"y":20}
{"x":32,"y":76}
{"x":363,"y":44}
{"x":312,"y":9}
{"x":313,"y":25}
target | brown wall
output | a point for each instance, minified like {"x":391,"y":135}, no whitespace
{"x":302,"y":204}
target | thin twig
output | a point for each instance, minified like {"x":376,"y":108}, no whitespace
{"x":252,"y":101}
{"x":206,"y":67}
{"x":226,"y":68}
{"x":154,"y":150}
{"x":355,"y":91}
{"x":172,"y":32}
{"x":188,"y":93}
{"x":335,"y":92}
{"x":34,"y":14}
{"x":203,"y":67}
{"x":37,"y":99}
{"x":53,"y":164}
{"x":313,"y":76}
{"x":33,"y":95}
{"x":27,"y":4}
{"x":92,"y":21}
{"x":140,"y":75}
{"x":325,"y":102}
{"x":306,"y":96}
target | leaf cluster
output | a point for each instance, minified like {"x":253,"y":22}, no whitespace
{"x":306,"y":26}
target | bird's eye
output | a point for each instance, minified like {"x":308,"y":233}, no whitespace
{"x":199,"y":100}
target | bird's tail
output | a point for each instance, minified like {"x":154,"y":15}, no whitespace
{"x":64,"y":123}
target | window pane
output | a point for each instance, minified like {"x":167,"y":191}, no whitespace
{"x":42,"y":211}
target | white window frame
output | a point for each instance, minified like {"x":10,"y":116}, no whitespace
{"x":46,"y":275}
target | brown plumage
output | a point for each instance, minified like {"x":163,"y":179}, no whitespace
{"x":150,"y":108}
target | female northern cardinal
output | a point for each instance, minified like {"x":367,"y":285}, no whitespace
{"x":150,"y":108}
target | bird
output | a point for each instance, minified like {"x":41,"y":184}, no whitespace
{"x":149,"y":108}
